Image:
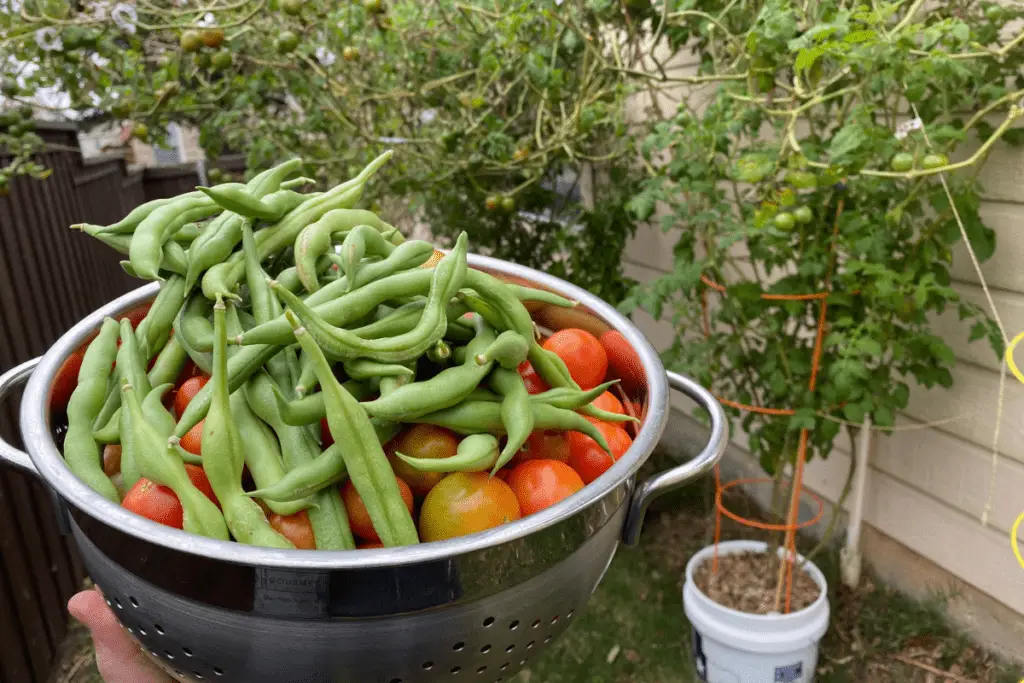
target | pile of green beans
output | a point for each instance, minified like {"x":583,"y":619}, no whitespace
{"x":271,"y":293}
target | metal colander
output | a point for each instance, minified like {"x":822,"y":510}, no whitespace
{"x":476,"y":608}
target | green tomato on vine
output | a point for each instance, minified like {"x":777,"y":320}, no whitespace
{"x":802,"y":180}
{"x":902,"y":162}
{"x":784,"y":221}
{"x":287,"y":42}
{"x":492,"y":203}
{"x":931,"y":162}
{"x":190,"y":41}
{"x":508,"y":204}
{"x":292,"y":7}
{"x":803,"y":215}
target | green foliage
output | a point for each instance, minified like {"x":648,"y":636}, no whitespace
{"x":481,"y":99}
{"x":802,"y":122}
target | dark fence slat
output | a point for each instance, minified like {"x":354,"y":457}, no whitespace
{"x":14,"y":663}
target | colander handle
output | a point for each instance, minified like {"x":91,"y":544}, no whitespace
{"x":10,"y":380}
{"x":687,"y":472}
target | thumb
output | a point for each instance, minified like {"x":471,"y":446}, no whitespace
{"x":118,"y":657}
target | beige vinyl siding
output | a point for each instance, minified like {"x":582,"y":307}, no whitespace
{"x":928,"y":488}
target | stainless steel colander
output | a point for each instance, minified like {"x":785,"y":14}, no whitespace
{"x":476,"y":608}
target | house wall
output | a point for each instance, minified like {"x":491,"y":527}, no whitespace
{"x":927,"y":488}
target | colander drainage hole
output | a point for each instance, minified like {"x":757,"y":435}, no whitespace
{"x":159,"y":629}
{"x":569,"y":615}
{"x":481,"y":670}
{"x":217,"y":670}
{"x":427,"y":666}
{"x":458,"y":646}
{"x":456,"y":669}
{"x":529,"y":645}
{"x":503,"y":666}
{"x":197,"y":675}
{"x":154,"y":653}
{"x":135,"y":603}
{"x":179,"y":672}
{"x":168,"y":655}
{"x":188,"y":652}
{"x":554,"y":619}
{"x":488,"y":621}
{"x":118,"y":603}
{"x":513,"y":626}
{"x":510,"y":649}
{"x":142,"y":631}
{"x":485,"y":649}
{"x":535,"y":624}
{"x":547,"y":640}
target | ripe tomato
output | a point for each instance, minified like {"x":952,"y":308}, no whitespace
{"x":623,"y":361}
{"x":590,"y":460}
{"x":193,"y":439}
{"x":136,"y":315}
{"x":359,"y":518}
{"x":296,"y":528}
{"x":609,"y":403}
{"x":157,"y":503}
{"x":212,"y":37}
{"x":186,"y":392}
{"x":539,"y":484}
{"x":111,"y":459}
{"x":533,"y":381}
{"x":326,"y":438}
{"x":369,"y":545}
{"x":422,"y":441}
{"x":582,"y":353}
{"x":464,"y":503}
{"x":197,"y":475}
{"x":543,"y":444}
{"x":66,"y":380}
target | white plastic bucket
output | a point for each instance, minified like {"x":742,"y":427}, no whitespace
{"x":730,"y":646}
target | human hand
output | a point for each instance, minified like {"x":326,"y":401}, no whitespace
{"x":118,"y":657}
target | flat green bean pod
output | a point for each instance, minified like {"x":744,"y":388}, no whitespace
{"x":128,"y":224}
{"x":517,"y":414}
{"x":361,"y":240}
{"x":146,"y":249}
{"x":315,"y":240}
{"x":362,"y":368}
{"x":541,"y":295}
{"x":509,"y":350}
{"x":476,"y":453}
{"x":153,"y":331}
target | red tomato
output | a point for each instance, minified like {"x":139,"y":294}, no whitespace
{"x":197,"y":475}
{"x":608,"y":403}
{"x":296,"y":528}
{"x":136,"y":315}
{"x":66,"y":380}
{"x":503,"y":473}
{"x":421,"y":441}
{"x":369,"y":545}
{"x":111,"y":459}
{"x":543,"y":444}
{"x":623,"y":361}
{"x":157,"y":503}
{"x":590,"y":460}
{"x":186,"y":392}
{"x":359,"y":518}
{"x":539,"y":484}
{"x":533,"y":381}
{"x":582,"y":353}
{"x":326,"y":438}
{"x":465,"y":503}
{"x":193,"y":439}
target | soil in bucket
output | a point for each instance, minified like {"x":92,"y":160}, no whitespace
{"x":747,"y":582}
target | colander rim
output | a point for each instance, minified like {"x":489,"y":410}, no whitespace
{"x":34,"y":422}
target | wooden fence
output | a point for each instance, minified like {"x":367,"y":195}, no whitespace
{"x":50,"y":277}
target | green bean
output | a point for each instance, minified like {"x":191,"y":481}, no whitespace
{"x":146,"y":250}
{"x":440,"y":353}
{"x":265,"y":307}
{"x":283,"y":233}
{"x":273,"y":179}
{"x":153,"y":331}
{"x":571,"y":399}
{"x":552,"y":370}
{"x":128,"y":224}
{"x":298,"y":448}
{"x":476,"y":453}
{"x":502,"y":298}
{"x":540,"y":295}
{"x":340,"y":308}
{"x":315,"y":475}
{"x":517,"y":413}
{"x":81,"y":452}
{"x":262,"y":454}
{"x":368,"y":467}
{"x":362,"y":368}
{"x":155,"y":413}
{"x":297,"y":182}
{"x":240,"y":201}
{"x":194,"y":325}
{"x":307,"y":376}
{"x":361,"y":240}
{"x":223,"y":459}
{"x":158,"y":463}
{"x":310,"y":409}
{"x":341,"y":343}
{"x":509,"y":350}
{"x":476,"y":417}
{"x":173,"y":255}
{"x":315,"y":240}
{"x":131,"y":369}
{"x":444,"y":390}
{"x":186,"y":234}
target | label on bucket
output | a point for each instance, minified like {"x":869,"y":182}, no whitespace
{"x":789,"y":673}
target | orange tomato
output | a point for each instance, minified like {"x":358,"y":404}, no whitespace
{"x":197,"y":475}
{"x":193,"y":439}
{"x":186,"y":392}
{"x":421,"y":441}
{"x":66,"y":380}
{"x":464,"y":503}
{"x":539,"y":484}
{"x":111,"y":459}
{"x":609,"y":403}
{"x":590,"y":460}
{"x":157,"y":503}
{"x":359,"y":518}
{"x":533,"y":381}
{"x":582,"y":354}
{"x":543,"y":444}
{"x":296,"y":528}
{"x":623,"y":361}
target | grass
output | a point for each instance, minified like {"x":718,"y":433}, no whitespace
{"x":634,"y":629}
